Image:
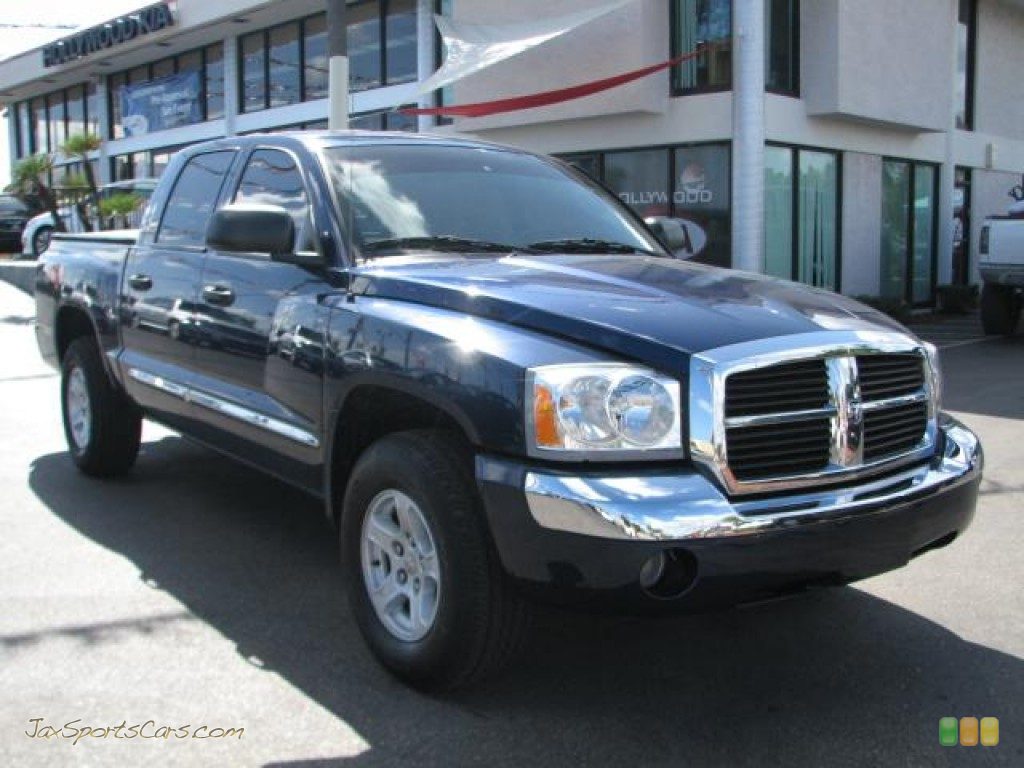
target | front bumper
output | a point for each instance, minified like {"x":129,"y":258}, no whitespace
{"x":586,"y":538}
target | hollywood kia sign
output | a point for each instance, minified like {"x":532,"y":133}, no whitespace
{"x":145,"y":21}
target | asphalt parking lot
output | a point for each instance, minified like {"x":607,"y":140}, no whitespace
{"x":198,"y":592}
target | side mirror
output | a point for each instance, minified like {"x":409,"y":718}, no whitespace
{"x":669,"y":231}
{"x":249,"y":228}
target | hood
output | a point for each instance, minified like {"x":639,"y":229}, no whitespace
{"x":647,"y":308}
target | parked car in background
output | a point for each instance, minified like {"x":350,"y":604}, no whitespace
{"x":35,"y":237}
{"x":14,"y":215}
{"x":1001,"y":263}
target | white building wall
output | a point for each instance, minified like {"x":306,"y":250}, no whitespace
{"x":999,"y":95}
{"x":878,"y":60}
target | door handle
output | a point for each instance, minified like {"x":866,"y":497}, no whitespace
{"x":140,"y":282}
{"x":218,"y":295}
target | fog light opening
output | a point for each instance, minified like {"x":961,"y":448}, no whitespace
{"x":668,"y":574}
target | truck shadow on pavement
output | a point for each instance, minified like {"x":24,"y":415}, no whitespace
{"x":835,"y":678}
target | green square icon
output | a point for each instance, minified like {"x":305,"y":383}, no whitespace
{"x":948,"y":731}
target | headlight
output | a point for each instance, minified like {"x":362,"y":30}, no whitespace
{"x":597,"y":411}
{"x":934,"y":374}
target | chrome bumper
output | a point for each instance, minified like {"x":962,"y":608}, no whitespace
{"x":690,"y":506}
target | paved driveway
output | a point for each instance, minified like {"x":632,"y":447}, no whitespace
{"x":197,"y":592}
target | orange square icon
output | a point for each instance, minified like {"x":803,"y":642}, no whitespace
{"x":968,"y":731}
{"x":989,"y":731}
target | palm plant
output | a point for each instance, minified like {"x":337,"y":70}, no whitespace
{"x":80,"y":146}
{"x":30,"y":178}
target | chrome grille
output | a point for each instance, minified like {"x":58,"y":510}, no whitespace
{"x":782,"y":448}
{"x":895,"y":430}
{"x":773,"y":450}
{"x":884,"y":376}
{"x":789,"y":387}
{"x":775,"y":415}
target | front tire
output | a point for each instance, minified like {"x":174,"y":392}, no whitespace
{"x":1000,"y":309}
{"x":424,"y":582}
{"x":103,"y":428}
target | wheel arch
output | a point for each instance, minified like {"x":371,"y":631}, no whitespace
{"x":370,"y":409}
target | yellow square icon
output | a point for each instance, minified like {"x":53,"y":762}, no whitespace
{"x":968,"y":731}
{"x":989,"y":731}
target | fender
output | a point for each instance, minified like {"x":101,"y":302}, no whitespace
{"x":382,"y":381}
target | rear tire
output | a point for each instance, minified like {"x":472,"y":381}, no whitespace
{"x":103,"y":428}
{"x":1000,"y":309}
{"x":478,"y":622}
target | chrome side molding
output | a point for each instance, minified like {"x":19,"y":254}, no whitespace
{"x":232,"y":410}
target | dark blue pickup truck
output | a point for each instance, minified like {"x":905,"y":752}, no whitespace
{"x":503,"y":386}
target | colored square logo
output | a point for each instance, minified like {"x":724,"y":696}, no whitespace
{"x":948,"y":736}
{"x":968,"y":731}
{"x":989,"y":731}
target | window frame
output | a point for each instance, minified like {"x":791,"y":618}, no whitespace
{"x":794,"y":52}
{"x":970,"y":65}
{"x":908,"y":255}
{"x":794,"y":223}
{"x":201,"y":246}
{"x":675,"y":89}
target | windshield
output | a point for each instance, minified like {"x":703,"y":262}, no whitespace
{"x":473,"y":199}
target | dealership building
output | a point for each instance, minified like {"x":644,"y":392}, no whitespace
{"x":855,"y":146}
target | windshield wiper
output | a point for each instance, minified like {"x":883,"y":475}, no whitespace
{"x":588,"y":245}
{"x":440,"y":243}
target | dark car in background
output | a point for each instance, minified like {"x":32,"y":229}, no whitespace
{"x":14,"y":215}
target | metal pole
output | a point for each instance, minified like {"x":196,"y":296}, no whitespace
{"x":337,"y":50}
{"x":748,"y":136}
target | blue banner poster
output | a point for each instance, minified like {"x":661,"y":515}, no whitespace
{"x":168,"y":102}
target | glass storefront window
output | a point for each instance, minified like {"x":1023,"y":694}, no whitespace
{"x":701,"y":202}
{"x":92,"y":109}
{"x":778,"y":212}
{"x":285,"y":63}
{"x":214,"y":61}
{"x":817,"y":219}
{"x":58,"y":128}
{"x":315,"y":57}
{"x":640,"y":179}
{"x":41,"y":131}
{"x":895,"y":228}
{"x":254,"y":83}
{"x":909,"y":233}
{"x":400,"y":29}
{"x":924,"y":234}
{"x":396,"y":121}
{"x":364,"y":60}
{"x":24,"y":130}
{"x":782,"y":52}
{"x":76,"y":110}
{"x":139,"y":75}
{"x":802,"y":215}
{"x":707,"y":22}
{"x":115,"y":83}
{"x":163,"y":68}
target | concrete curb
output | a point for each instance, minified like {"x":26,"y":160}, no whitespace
{"x":20,"y":274}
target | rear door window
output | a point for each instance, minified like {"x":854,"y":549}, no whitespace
{"x":193,"y":199}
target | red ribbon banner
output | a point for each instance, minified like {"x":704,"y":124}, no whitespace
{"x":531,"y":101}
